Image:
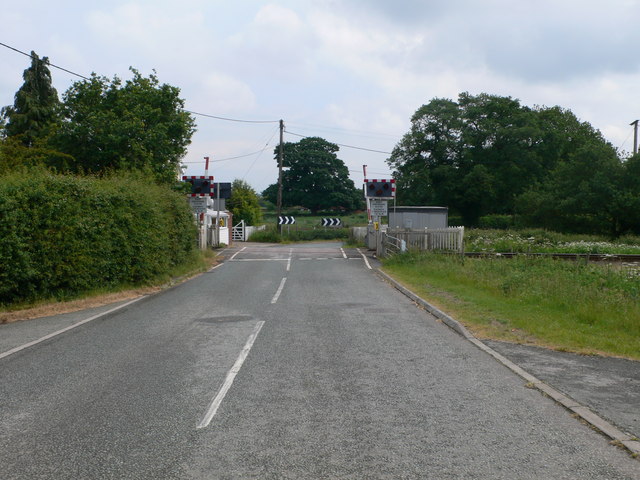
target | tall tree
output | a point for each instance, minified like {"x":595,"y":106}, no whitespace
{"x":36,"y":106}
{"x":244,"y":204}
{"x":580,"y":195}
{"x":315,"y":178}
{"x":479,"y":154}
{"x":136,"y":125}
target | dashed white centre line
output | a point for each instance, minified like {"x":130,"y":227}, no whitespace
{"x":289,"y":260}
{"x":228,"y":381}
{"x":277,"y":295}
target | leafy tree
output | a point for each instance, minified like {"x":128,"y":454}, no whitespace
{"x":580,"y":195}
{"x":36,"y":107}
{"x":244,"y":204}
{"x":628,"y":196}
{"x":14,"y":155}
{"x":479,"y":154}
{"x":136,"y":125}
{"x":316,"y":178}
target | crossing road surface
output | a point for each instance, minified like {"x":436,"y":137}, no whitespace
{"x":285,"y":362}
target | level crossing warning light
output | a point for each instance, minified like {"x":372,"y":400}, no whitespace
{"x":380,"y":188}
{"x":201,"y":186}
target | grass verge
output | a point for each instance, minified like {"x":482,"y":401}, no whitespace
{"x":568,"y":306}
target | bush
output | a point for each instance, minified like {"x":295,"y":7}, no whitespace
{"x":496,"y":222}
{"x":269,"y":235}
{"x":455,"y":221}
{"x":307,"y":235}
{"x":61,"y":236}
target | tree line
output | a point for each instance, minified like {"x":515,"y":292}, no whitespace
{"x":104,"y":127}
{"x":100,"y":126}
{"x":486,"y":155}
{"x":480,"y":155}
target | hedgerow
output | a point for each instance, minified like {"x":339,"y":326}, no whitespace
{"x":63,"y":235}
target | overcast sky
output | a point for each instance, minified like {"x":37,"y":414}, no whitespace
{"x":350,"y":71}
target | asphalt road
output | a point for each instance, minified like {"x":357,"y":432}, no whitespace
{"x":284,"y":362}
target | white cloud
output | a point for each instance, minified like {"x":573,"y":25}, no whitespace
{"x":224,"y":94}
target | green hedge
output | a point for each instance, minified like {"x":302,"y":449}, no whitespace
{"x":61,"y":236}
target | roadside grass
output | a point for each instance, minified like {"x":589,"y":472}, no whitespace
{"x":568,"y":306}
{"x":545,"y":241}
{"x":198,"y":262}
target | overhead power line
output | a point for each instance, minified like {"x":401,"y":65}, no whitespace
{"x":342,"y":145}
{"x":188,"y":111}
{"x":49,"y":63}
{"x":231,"y":119}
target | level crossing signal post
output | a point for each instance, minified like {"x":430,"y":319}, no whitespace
{"x":377,"y":193}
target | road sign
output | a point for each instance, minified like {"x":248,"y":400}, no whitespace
{"x":198,"y":204}
{"x":379,"y":208}
{"x":225,"y":190}
{"x":286,"y":220}
{"x":331,"y":222}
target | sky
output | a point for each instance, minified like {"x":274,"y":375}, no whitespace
{"x":350,"y":71}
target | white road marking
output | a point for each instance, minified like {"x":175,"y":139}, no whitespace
{"x":289,"y":260}
{"x":277,"y":295}
{"x":216,"y":266}
{"x":228,"y":381}
{"x":259,"y":260}
{"x":343,"y":254}
{"x":234,"y":255}
{"x":51,"y":335}
{"x":365,"y":259}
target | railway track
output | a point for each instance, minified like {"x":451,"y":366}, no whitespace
{"x":590,"y":257}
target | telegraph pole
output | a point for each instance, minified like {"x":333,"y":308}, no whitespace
{"x":635,"y":136}
{"x":280,"y":159}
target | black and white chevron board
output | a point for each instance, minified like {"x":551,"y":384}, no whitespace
{"x":331,"y":222}
{"x":286,"y":220}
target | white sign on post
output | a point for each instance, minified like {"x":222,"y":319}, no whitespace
{"x":378,"y":207}
{"x":198,"y":204}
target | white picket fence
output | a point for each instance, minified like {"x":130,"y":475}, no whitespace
{"x":441,"y":239}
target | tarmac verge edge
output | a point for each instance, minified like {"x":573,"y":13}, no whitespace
{"x":617,"y":436}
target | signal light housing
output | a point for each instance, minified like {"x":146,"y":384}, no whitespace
{"x":200,"y":186}
{"x":380,"y":188}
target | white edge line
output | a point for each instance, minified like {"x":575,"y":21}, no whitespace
{"x":216,"y":266}
{"x":277,"y":295}
{"x":365,"y":259}
{"x":234,"y":255}
{"x":51,"y":335}
{"x":231,"y":375}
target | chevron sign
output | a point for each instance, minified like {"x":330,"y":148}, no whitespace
{"x":286,"y":220}
{"x":331,"y":222}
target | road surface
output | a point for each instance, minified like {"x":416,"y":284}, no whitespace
{"x":285,"y":362}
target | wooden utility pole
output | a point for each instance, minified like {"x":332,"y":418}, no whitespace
{"x":280,"y":159}
{"x":635,"y":136}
